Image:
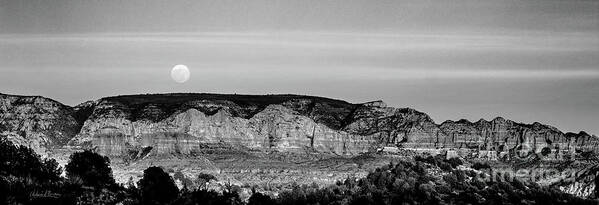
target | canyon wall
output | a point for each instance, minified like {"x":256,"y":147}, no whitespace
{"x":502,"y":135}
{"x":36,"y":121}
{"x":180,"y":123}
{"x":276,"y":127}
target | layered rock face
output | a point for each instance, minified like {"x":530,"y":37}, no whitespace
{"x":395,"y":126}
{"x":36,"y":122}
{"x":181,"y":123}
{"x":279,"y":127}
{"x":501,"y":135}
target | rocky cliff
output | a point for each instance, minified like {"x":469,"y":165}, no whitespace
{"x":181,"y":123}
{"x":36,"y":121}
{"x":502,"y":135}
{"x":278,"y":123}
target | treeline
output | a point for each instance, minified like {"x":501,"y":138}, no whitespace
{"x":25,"y":178}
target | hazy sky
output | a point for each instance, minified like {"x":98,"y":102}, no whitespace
{"x":526,"y":60}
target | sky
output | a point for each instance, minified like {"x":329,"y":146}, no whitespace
{"x":526,"y":60}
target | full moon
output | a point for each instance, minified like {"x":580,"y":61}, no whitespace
{"x":180,"y":73}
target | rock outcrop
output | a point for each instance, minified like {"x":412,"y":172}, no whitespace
{"x":276,"y":127}
{"x":181,"y":123}
{"x":36,"y":121}
{"x":501,"y":135}
{"x":404,"y":126}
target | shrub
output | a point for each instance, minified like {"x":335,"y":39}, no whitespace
{"x":91,"y":168}
{"x":203,"y":179}
{"x":480,"y":165}
{"x":454,"y":162}
{"x":21,"y":161}
{"x":201,"y":196}
{"x":545,"y":151}
{"x":157,"y":187}
{"x":411,"y":183}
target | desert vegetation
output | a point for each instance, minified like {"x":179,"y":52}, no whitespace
{"x":26,"y":178}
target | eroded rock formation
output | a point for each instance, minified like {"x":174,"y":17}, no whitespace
{"x":276,"y":127}
{"x":501,"y":135}
{"x":180,"y":123}
{"x":36,"y":121}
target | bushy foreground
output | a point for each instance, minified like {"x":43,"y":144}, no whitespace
{"x":27,"y":179}
{"x":430,"y":180}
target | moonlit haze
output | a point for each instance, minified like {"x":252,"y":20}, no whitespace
{"x":532,"y":60}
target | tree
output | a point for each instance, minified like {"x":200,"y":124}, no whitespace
{"x":157,"y":187}
{"x":260,"y":199}
{"x":545,"y":151}
{"x":203,"y":179}
{"x":480,"y":165}
{"x":454,"y":162}
{"x":91,"y":168}
{"x":22,"y":161}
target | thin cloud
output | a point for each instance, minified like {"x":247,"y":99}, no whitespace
{"x":337,"y":40}
{"x":331,"y":54}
